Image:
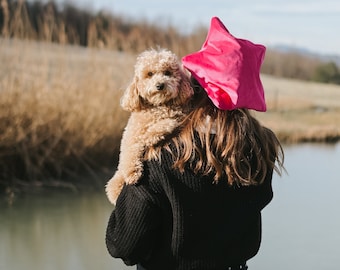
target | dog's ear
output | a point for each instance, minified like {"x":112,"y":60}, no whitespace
{"x":130,"y":100}
{"x":186,"y":91}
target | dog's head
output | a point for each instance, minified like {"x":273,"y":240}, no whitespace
{"x":158,"y":80}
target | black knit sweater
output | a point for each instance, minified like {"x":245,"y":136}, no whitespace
{"x":182,"y":221}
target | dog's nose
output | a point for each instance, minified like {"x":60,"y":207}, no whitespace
{"x":160,"y":86}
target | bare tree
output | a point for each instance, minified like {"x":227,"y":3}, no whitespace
{"x":5,"y":14}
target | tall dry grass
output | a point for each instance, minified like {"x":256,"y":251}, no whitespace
{"x":300,"y":111}
{"x":69,"y":24}
{"x":59,"y":112}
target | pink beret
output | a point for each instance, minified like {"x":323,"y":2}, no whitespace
{"x":228,"y":69}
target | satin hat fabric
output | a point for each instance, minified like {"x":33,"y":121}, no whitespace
{"x":228,"y":69}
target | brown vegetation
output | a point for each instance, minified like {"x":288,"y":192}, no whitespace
{"x":59,"y":113}
{"x":72,"y":25}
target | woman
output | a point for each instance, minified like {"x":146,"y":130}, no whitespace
{"x":198,"y":204}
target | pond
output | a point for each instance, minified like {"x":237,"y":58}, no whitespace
{"x":65,"y":231}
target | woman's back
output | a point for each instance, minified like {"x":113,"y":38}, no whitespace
{"x":192,"y":221}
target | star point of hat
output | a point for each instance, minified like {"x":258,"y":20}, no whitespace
{"x":227,"y":65}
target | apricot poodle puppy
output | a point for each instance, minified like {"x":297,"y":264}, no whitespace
{"x":157,"y":99}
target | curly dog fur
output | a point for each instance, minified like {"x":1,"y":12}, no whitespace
{"x":156,"y":99}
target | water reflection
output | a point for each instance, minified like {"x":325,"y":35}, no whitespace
{"x":65,"y":231}
{"x":55,"y":232}
{"x":300,"y":226}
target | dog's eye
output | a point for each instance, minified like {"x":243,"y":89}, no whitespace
{"x":167,"y":73}
{"x":150,"y":74}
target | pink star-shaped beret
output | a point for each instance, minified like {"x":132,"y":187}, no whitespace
{"x":228,"y":69}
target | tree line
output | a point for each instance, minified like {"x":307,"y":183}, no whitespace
{"x":69,"y":24}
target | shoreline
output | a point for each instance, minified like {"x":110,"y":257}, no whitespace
{"x":299,"y":111}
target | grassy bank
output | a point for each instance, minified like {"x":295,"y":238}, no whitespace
{"x":60,"y":116}
{"x":300,"y":111}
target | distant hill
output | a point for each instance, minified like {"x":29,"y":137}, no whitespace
{"x":305,"y":52}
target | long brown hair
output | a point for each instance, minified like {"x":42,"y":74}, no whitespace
{"x":227,"y":143}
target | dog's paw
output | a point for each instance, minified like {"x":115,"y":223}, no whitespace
{"x":113,"y":189}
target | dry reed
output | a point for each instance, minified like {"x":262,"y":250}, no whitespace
{"x":59,"y":111}
{"x":68,"y":24}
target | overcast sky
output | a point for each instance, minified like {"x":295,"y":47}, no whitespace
{"x":309,"y":24}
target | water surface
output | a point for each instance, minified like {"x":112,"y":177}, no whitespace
{"x":301,"y":225}
{"x":65,"y":231}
